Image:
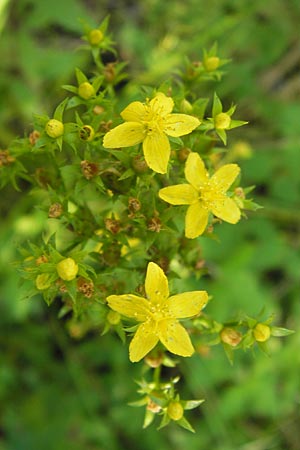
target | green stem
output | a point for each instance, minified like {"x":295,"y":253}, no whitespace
{"x":156,"y":376}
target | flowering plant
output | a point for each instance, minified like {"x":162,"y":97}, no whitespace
{"x":120,"y":221}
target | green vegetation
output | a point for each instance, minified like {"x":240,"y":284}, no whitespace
{"x":64,"y":387}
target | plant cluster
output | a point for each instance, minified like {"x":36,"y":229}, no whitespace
{"x":130,"y":181}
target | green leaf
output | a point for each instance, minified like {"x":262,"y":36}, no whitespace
{"x":217,"y":106}
{"x":185,"y":424}
{"x":278,"y":331}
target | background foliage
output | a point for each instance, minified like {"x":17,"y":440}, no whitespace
{"x":59,"y":393}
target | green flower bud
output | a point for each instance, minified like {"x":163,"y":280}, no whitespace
{"x":86,"y":90}
{"x":222,"y":121}
{"x":175,"y":410}
{"x":211,"y":63}
{"x":261,"y":332}
{"x":113,"y":317}
{"x":95,"y":37}
{"x":186,"y":107}
{"x":67,"y":269}
{"x":42,"y":281}
{"x":54,"y":128}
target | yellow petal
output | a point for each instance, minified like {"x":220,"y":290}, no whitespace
{"x":157,"y":151}
{"x":143,"y":341}
{"x":130,"y":306}
{"x":156,"y":284}
{"x":124,"y":135}
{"x":175,"y":338}
{"x":134,"y":112}
{"x":187,"y":304}
{"x":180,"y":124}
{"x":195,"y":171}
{"x":180,"y":194}
{"x":226,"y":209}
{"x":161,"y":104}
{"x":195,"y":220}
{"x":225,"y":176}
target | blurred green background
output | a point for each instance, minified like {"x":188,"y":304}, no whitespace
{"x":57,"y":393}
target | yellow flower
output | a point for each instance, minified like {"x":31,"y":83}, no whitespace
{"x":151,"y":123}
{"x":158,"y":315}
{"x":203,"y":195}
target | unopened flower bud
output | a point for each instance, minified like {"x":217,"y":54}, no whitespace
{"x":113,"y":318}
{"x":67,"y":269}
{"x":185,"y":106}
{"x":42,"y":281}
{"x":175,"y":410}
{"x":230,"y":336}
{"x":95,"y":37}
{"x":86,"y":90}
{"x":54,"y":128}
{"x":211,"y":63}
{"x":261,"y":332}
{"x":222,"y":121}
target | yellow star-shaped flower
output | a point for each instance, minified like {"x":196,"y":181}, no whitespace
{"x":151,"y":123}
{"x":204,"y":195}
{"x":159,"y":315}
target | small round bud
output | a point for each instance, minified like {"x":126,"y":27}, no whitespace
{"x":222,"y":121}
{"x":95,"y":37}
{"x":261,"y":332}
{"x":185,"y":106}
{"x":86,"y":90}
{"x":230,"y":336}
{"x":113,"y":317}
{"x":54,"y":128}
{"x":211,"y":63}
{"x":42,"y":281}
{"x":86,"y":133}
{"x":175,"y":410}
{"x":67,"y":269}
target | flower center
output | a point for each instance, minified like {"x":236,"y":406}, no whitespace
{"x":159,"y":311}
{"x":153,"y":121}
{"x":209,"y":195}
